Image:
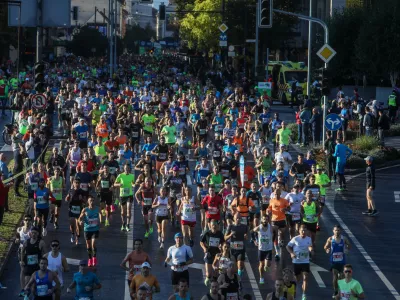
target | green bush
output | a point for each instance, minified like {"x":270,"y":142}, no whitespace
{"x":294,"y":130}
{"x":365,"y":143}
{"x":393,"y":131}
{"x":355,"y":162}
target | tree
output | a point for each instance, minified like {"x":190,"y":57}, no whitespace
{"x":378,"y":44}
{"x":88,"y":38}
{"x":134,"y":34}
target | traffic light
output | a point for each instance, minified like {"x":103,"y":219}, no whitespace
{"x":326,"y":83}
{"x":39,"y":77}
{"x":75,"y":13}
{"x":161,"y":11}
{"x":265,"y":9}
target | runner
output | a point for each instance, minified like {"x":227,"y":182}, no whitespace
{"x":182,"y":291}
{"x":338,"y":247}
{"x":125,"y":182}
{"x":187,"y":211}
{"x":349,"y":288}
{"x":144,"y":279}
{"x":310,"y":211}
{"x":135,"y":259}
{"x":264,"y":243}
{"x":237,"y":235}
{"x":179,"y":256}
{"x":85,"y":282}
{"x":90,"y":217}
{"x":105,"y":183}
{"x":299,"y":249}
{"x":293,"y":216}
{"x":161,"y":204}
{"x":213,"y":294}
{"x":42,"y":199}
{"x":213,"y":205}
{"x":56,"y":185}
{"x":145,"y":196}
{"x":279,"y":292}
{"x":229,"y":283}
{"x":22,"y":235}
{"x":75,"y":197}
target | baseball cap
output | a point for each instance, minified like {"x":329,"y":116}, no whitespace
{"x":148,"y":153}
{"x":176,"y":168}
{"x":227,"y":181}
{"x":121,"y":152}
{"x":282,"y":145}
{"x":146,"y":265}
{"x":369,"y":158}
{"x":237,"y":152}
{"x":178,"y":235}
{"x":81,"y":119}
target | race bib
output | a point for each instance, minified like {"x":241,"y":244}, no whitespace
{"x":300,"y":176}
{"x":213,"y":242}
{"x":218,"y":128}
{"x":42,"y":289}
{"x":202,"y":131}
{"x":125,"y":192}
{"x":310,"y":218}
{"x":344,"y":295}
{"x":41,"y":200}
{"x":83,"y":135}
{"x":303,"y":255}
{"x":243,"y":220}
{"x":147,"y":201}
{"x":75,"y":209}
{"x":337,"y":256}
{"x":265,"y":120}
{"x":135,"y":134}
{"x":232,"y":296}
{"x":295,"y":216}
{"x":113,"y":170}
{"x":162,"y":211}
{"x":137,"y":269}
{"x":93,"y":222}
{"x":212,"y":210}
{"x":162,"y":155}
{"x":217,"y":153}
{"x":32,"y":259}
{"x":105,"y":184}
{"x":34,"y":186}
{"x":237,"y":245}
{"x":84,"y":186}
{"x":264,"y":240}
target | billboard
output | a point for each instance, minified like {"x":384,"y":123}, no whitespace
{"x":55,"y":13}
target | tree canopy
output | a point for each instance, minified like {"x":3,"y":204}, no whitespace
{"x":88,"y":38}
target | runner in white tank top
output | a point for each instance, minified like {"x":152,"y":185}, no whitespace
{"x":187,"y":210}
{"x":160,"y":204}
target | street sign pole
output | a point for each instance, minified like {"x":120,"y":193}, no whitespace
{"x":256,"y":45}
{"x":39,"y":32}
{"x":309,"y":53}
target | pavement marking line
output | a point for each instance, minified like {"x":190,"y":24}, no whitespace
{"x":360,"y":248}
{"x":396,"y":196}
{"x":198,"y":266}
{"x":189,"y":180}
{"x":129,"y":249}
{"x":315,"y":269}
{"x":73,"y":261}
{"x":252,"y":279}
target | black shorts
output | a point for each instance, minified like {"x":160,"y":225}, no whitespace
{"x":301,"y":268}
{"x":72,"y":215}
{"x":280,"y":224}
{"x":229,"y":216}
{"x":239,"y":255}
{"x":312,"y":227}
{"x":210,"y":259}
{"x":159,"y":219}
{"x":65,"y":117}
{"x":337,"y":267}
{"x":290,"y":221}
{"x":264,"y":255}
{"x":57,"y":203}
{"x":125,"y":200}
{"x":29,"y":270}
{"x":72,"y":171}
{"x":146,"y":209}
{"x":147,"y":132}
{"x":90,"y":235}
{"x":175,"y":276}
{"x":135,"y":141}
{"x":83,"y":144}
{"x":42,"y":212}
{"x":49,"y":297}
{"x":106,"y":197}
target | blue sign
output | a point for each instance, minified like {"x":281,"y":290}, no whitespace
{"x":217,"y":57}
{"x":223,"y":37}
{"x":333,"y":122}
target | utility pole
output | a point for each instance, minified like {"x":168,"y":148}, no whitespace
{"x":115,"y":34}
{"x":309,"y":52}
{"x":257,"y":37}
{"x":39,"y":32}
{"x":110,"y":16}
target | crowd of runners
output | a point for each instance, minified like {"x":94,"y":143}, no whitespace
{"x":171,"y":139}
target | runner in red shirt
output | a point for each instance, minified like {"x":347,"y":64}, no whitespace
{"x":212,"y":203}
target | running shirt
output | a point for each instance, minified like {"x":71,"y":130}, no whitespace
{"x":276,"y":206}
{"x":237,"y":241}
{"x":189,"y":211}
{"x":179,"y":255}
{"x":345,"y":289}
{"x":76,"y":201}
{"x":126,"y":181}
{"x":91,"y":221}
{"x":212,"y":204}
{"x":295,"y":204}
{"x":264,"y":238}
{"x":337,"y":251}
{"x":162,"y":209}
{"x":42,"y":284}
{"x":82,"y":281}
{"x":55,"y":265}
{"x":170,"y":136}
{"x":41,"y":198}
{"x":148,"y":282}
{"x":300,"y":247}
{"x":212,"y":241}
{"x":135,"y":260}
{"x":56,"y":188}
{"x":322,"y":179}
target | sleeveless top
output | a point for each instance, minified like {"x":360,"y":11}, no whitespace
{"x":177,"y":297}
{"x":43,"y":284}
{"x":189,"y":211}
{"x":55,"y":265}
{"x":162,"y":209}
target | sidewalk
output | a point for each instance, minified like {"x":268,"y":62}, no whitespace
{"x":393,"y":141}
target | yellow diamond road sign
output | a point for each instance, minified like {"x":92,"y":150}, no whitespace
{"x":223,"y":28}
{"x":326,"y":53}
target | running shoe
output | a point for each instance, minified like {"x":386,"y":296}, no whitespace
{"x":374,"y":213}
{"x":162,"y":245}
{"x":107,"y":223}
{"x":94,"y":261}
{"x":367,"y":212}
{"x":21,"y":293}
{"x":240,"y":272}
{"x":261,"y":280}
{"x":44,"y":231}
{"x":146,"y":235}
{"x":339,"y":190}
{"x":127,"y":228}
{"x":207,"y":281}
{"x":55,"y":225}
{"x":277,"y":258}
{"x":72,"y":238}
{"x":159,"y":238}
{"x":151,"y":230}
{"x":51,"y":219}
{"x":304,"y":297}
{"x":103,"y":212}
{"x":123,"y":228}
{"x":191,"y":243}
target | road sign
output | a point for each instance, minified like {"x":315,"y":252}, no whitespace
{"x":223,"y":37}
{"x":231,"y":54}
{"x":231,"y":48}
{"x":223,"y":43}
{"x":333,"y":122}
{"x":250,"y":41}
{"x":326,"y":53}
{"x":39,"y":101}
{"x":223,"y":27}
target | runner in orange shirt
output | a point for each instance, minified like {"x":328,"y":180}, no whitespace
{"x":144,"y":279}
{"x":102,"y":128}
{"x":121,"y":138}
{"x":277,"y":208}
{"x":242,"y":205}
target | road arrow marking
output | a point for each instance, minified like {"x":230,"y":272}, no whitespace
{"x":397,"y":196}
{"x":73,"y":261}
{"x":315,"y":269}
{"x":201,"y":267}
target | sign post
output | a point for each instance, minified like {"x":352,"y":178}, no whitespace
{"x":39,"y":101}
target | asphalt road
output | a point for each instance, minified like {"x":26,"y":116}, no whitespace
{"x":377,"y":236}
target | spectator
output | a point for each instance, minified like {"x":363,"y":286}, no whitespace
{"x":342,"y":153}
{"x":316,"y":126}
{"x":299,"y":126}
{"x":383,"y":124}
{"x":6,"y":174}
{"x":393,"y":106}
{"x":368,"y":122}
{"x":305,"y":117}
{"x":4,"y":188}
{"x":330,"y":159}
{"x":359,"y":110}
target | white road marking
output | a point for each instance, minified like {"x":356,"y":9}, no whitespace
{"x":397,"y":196}
{"x":73,"y":261}
{"x":360,"y":248}
{"x":189,"y":180}
{"x":252,"y":279}
{"x":129,"y":249}
{"x":315,"y":269}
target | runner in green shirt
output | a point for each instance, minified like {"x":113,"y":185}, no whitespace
{"x":56,"y":185}
{"x":323,"y":181}
{"x":283,"y":134}
{"x":169,"y":132}
{"x":125,"y":181}
{"x":148,"y":120}
{"x":349,"y":288}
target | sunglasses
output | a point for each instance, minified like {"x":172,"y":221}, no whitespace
{"x":27,"y":220}
{"x":55,"y":245}
{"x":347,"y":271}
